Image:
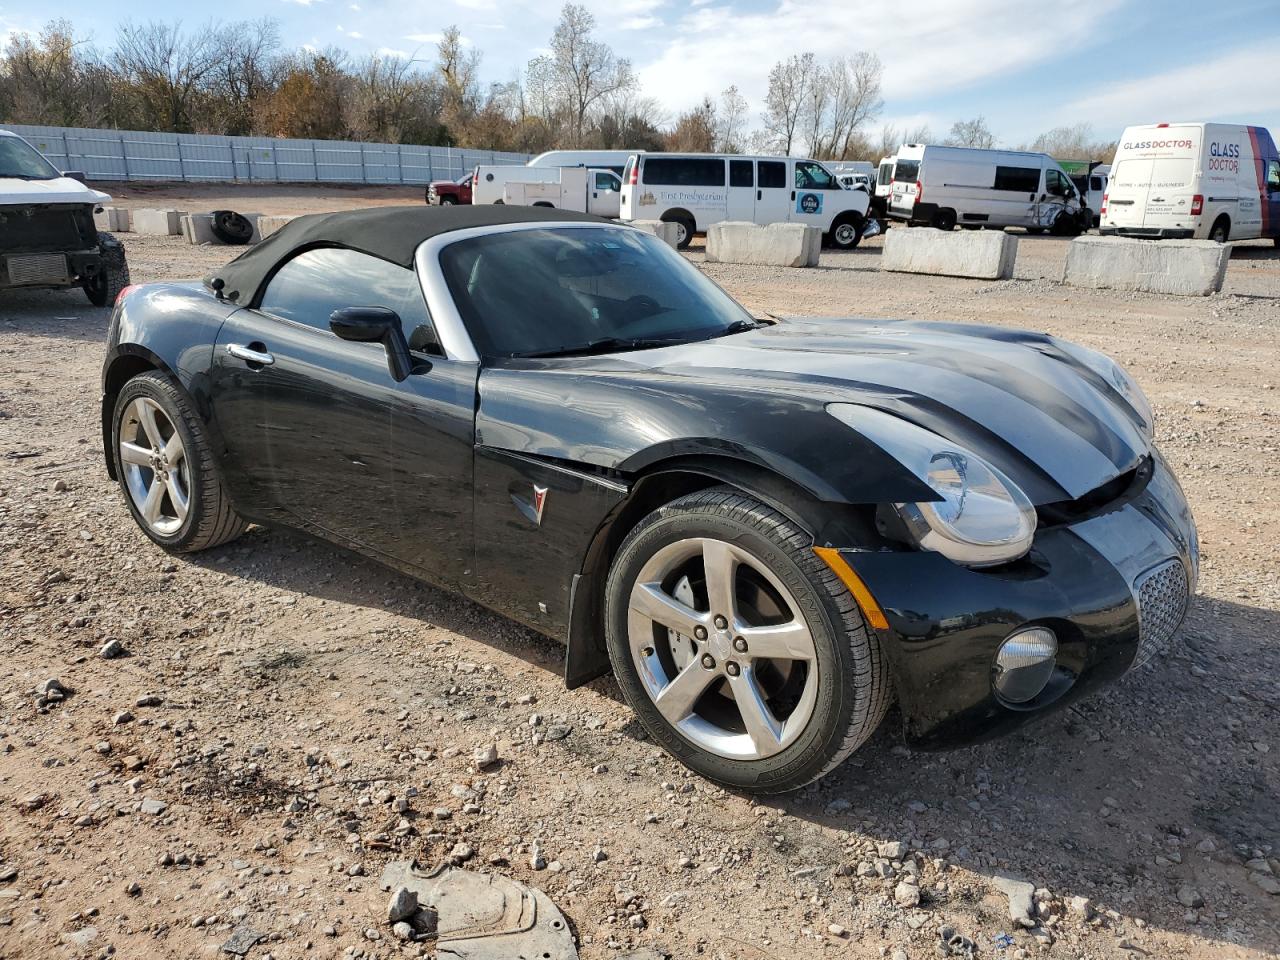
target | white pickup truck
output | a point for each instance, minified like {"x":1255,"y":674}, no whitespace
{"x":584,"y":189}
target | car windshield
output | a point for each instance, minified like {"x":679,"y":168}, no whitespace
{"x":582,"y":290}
{"x":20,"y":160}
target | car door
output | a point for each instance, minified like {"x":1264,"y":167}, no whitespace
{"x":605,"y":198}
{"x":1056,"y":198}
{"x":809,"y":200}
{"x":773,"y":191}
{"x":334,"y":444}
{"x":742,"y":191}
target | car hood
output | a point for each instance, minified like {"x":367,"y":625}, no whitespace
{"x":1016,"y":398}
{"x":59,"y":190}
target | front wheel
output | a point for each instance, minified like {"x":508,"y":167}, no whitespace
{"x":846,"y":234}
{"x":737,"y":647}
{"x":113,"y":272}
{"x":447,"y":201}
{"x":166,"y":470}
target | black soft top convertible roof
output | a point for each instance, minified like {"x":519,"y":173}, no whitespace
{"x":390,"y":233}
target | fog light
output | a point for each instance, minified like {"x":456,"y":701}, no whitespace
{"x":1025,"y":663}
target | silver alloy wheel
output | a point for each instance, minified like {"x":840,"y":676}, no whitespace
{"x":155,"y":466}
{"x":682,"y":232}
{"x":846,"y":233}
{"x":719,"y":695}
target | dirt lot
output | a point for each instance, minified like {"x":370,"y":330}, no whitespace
{"x":288,"y":718}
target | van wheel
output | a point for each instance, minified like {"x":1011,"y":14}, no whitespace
{"x":945,"y":220}
{"x":846,"y":233}
{"x":1221,"y":231}
{"x":685,"y":227}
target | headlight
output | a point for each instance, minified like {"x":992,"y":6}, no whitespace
{"x":981,"y":516}
{"x":1118,"y":378}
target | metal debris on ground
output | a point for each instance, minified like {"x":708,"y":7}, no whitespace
{"x":481,"y":916}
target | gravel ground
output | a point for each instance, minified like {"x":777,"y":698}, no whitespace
{"x":282,"y":718}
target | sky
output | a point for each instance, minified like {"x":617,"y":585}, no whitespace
{"x":1025,"y":66}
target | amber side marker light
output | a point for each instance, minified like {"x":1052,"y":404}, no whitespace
{"x":840,"y":567}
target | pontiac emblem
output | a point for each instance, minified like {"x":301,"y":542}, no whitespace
{"x":539,"y":501}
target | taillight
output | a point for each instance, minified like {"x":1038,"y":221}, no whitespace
{"x":919,"y":191}
{"x":1197,"y":205}
{"x":634,"y":179}
{"x":125,"y":292}
{"x":1103,"y":211}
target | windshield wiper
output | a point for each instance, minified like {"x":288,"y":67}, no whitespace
{"x":606,"y":345}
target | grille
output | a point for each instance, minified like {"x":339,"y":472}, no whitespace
{"x":37,"y":268}
{"x":42,"y":227}
{"x":1162,"y":603}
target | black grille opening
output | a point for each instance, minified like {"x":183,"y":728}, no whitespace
{"x":50,"y":227}
{"x":1112,"y":494}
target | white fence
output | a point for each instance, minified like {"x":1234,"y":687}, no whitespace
{"x":136,"y":155}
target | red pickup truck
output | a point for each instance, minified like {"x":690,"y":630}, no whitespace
{"x":447,"y":192}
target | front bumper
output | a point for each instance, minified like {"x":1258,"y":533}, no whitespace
{"x":1110,"y":586}
{"x":48,"y":269}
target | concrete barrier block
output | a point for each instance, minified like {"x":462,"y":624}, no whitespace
{"x":666,"y":232}
{"x":269,"y":225}
{"x":1185,"y":268}
{"x":775,"y":245}
{"x":112,"y":219}
{"x":160,"y":223}
{"x":983,"y":255}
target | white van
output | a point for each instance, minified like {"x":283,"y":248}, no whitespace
{"x":572,"y":188}
{"x":697,"y":190}
{"x":945,"y":186}
{"x":489,"y":183}
{"x":613,"y":160}
{"x":1215,"y":181}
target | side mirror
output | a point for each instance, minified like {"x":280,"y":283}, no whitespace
{"x":74,"y":175}
{"x":375,"y":325}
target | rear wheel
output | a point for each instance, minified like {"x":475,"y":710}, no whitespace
{"x":166,"y":469}
{"x":945,"y":220}
{"x":685,"y":227}
{"x":1221,"y":231}
{"x":113,"y":272}
{"x":737,"y":647}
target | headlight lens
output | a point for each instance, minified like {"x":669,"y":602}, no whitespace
{"x":981,"y":518}
{"x":1118,"y":377}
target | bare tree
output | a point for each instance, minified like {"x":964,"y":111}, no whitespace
{"x":245,"y":55}
{"x":49,"y":79}
{"x":731,"y":119}
{"x":1073,"y":143}
{"x":695,"y":130}
{"x":167,"y":69}
{"x":583,"y":71}
{"x":971,"y":133}
{"x":855,"y":101}
{"x":458,"y":69}
{"x":787,"y":99}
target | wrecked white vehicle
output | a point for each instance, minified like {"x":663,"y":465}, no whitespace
{"x":47,"y":234}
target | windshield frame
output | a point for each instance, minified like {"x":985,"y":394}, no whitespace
{"x":54,"y":172}
{"x":450,"y":326}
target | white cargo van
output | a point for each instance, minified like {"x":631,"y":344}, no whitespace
{"x":572,"y":188}
{"x":696,"y":190}
{"x":613,"y":160}
{"x":944,"y":186}
{"x":1215,"y":181}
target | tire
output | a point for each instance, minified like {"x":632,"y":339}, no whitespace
{"x":1035,"y":231}
{"x":232,"y":228}
{"x":209,"y":519}
{"x":687,"y":227}
{"x":113,"y":275}
{"x":846,"y":233}
{"x":447,"y":201}
{"x":944,"y":220}
{"x":1221,"y":231}
{"x":836,"y":695}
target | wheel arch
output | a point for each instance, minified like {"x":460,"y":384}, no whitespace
{"x":667,"y":480}
{"x":130,"y":361}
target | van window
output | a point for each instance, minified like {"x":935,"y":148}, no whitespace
{"x":606,"y":182}
{"x":885,"y":174}
{"x":811,"y":176}
{"x":1132,"y":173}
{"x":1095,"y":184}
{"x":1171,"y":173}
{"x":1018,"y":179}
{"x":1055,"y":183}
{"x":684,"y":172}
{"x":1273,"y":175}
{"x":773,"y":174}
{"x":907,"y":171}
{"x":741,"y":174}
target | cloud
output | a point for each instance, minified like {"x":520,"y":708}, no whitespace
{"x":939,"y":47}
{"x":1209,"y":90}
{"x":303,"y":3}
{"x":354,"y":35}
{"x":392,"y":52}
{"x":434,"y":38}
{"x":643,"y":22}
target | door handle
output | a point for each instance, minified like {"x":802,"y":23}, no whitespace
{"x":759,"y":194}
{"x":249,"y":355}
{"x":793,"y":194}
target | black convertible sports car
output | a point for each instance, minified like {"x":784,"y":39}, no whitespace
{"x":767,"y":530}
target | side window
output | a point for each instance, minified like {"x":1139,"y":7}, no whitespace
{"x":684,"y":171}
{"x":1095,"y":184}
{"x":1273,"y":175}
{"x":741,"y":174}
{"x":812,"y":176}
{"x":606,"y":182}
{"x":1018,"y":179}
{"x":1055,"y":184}
{"x":773,"y":174}
{"x":315,"y":283}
